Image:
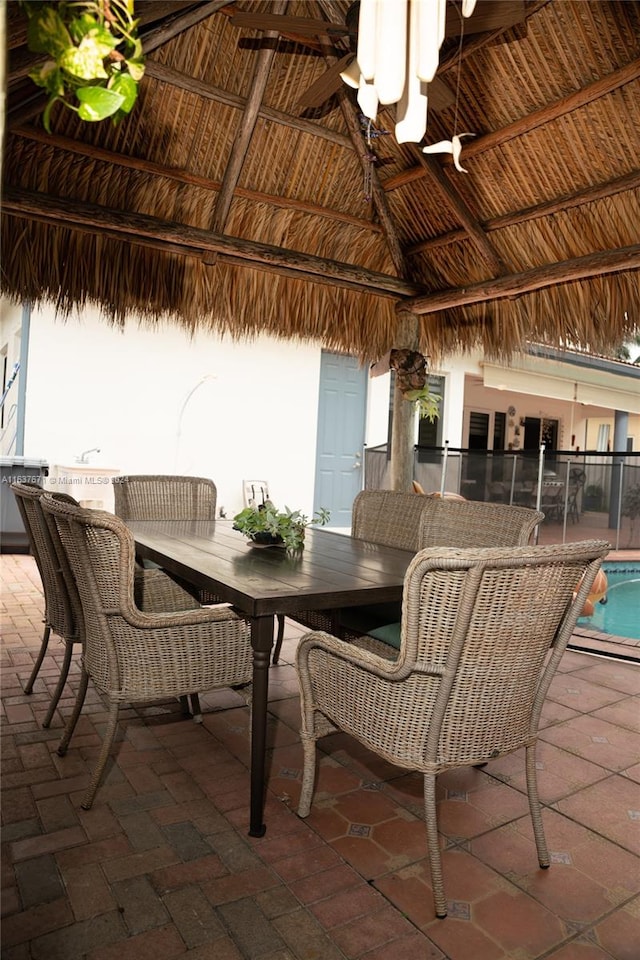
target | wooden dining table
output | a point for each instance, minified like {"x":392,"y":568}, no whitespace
{"x":332,"y":571}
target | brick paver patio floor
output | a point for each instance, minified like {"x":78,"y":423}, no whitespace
{"x":162,"y":867}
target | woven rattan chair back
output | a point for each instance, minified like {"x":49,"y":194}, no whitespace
{"x":58,"y":614}
{"x":150,"y":497}
{"x":166,"y":497}
{"x":129,"y":654}
{"x":388,"y":517}
{"x":63,"y":614}
{"x":468,"y":523}
{"x":473,"y":670}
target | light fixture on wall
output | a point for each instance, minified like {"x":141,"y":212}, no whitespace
{"x":398,"y":55}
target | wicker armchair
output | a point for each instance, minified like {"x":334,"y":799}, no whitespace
{"x":130,"y":655}
{"x":469,"y":523}
{"x":154,"y":591}
{"x":387,"y":517}
{"x":434,"y":522}
{"x":471,"y":677}
{"x":62,"y":613}
{"x":166,"y":497}
{"x":160,"y":497}
{"x":147,"y":497}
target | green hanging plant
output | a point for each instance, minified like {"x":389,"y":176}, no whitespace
{"x":427,"y":403}
{"x":95,"y":56}
{"x":411,"y":377}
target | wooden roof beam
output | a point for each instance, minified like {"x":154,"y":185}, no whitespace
{"x":553,"y":111}
{"x":601,"y":190}
{"x":185,"y":176}
{"x":537,"y":118}
{"x":463,"y":213}
{"x":173,"y":26}
{"x":597,"y":264}
{"x":159,"y":71}
{"x":193,"y":241}
{"x":354,"y":129}
{"x":247,"y":125}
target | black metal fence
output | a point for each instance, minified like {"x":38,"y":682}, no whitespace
{"x":581,"y":494}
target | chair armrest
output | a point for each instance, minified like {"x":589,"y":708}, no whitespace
{"x":154,"y":621}
{"x":380,"y":666}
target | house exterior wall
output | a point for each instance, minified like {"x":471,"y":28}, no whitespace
{"x":160,"y":401}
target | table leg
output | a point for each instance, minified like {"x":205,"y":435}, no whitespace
{"x":261,"y":641}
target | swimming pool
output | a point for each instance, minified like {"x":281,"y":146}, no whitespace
{"x":620,"y":615}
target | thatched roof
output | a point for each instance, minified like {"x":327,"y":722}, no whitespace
{"x":218,"y":204}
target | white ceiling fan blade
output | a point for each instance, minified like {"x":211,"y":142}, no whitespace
{"x":351,"y":74}
{"x":429,"y":17}
{"x":391,"y":49}
{"x":368,"y":99}
{"x":366,"y":55}
{"x":442,"y":146}
{"x":411,"y":114}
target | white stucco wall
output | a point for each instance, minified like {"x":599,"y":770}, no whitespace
{"x":161,"y":402}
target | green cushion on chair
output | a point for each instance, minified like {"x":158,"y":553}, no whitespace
{"x":389,"y":634}
{"x":365,"y":619}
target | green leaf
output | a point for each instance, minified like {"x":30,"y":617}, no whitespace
{"x":103,"y":39}
{"x":48,"y":75}
{"x":137,"y":50}
{"x":136,"y":69}
{"x":127,"y":88}
{"x":47,"y":33}
{"x":79,"y":27}
{"x":46,"y":116}
{"x":85,"y":61}
{"x":96,"y":103}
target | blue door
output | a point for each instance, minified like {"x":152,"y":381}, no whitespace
{"x":341,"y":430}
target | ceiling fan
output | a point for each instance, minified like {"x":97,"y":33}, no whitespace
{"x":489,"y":15}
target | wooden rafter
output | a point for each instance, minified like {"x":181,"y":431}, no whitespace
{"x":610,"y":188}
{"x":537,"y":118}
{"x":193,"y":241}
{"x":176,"y":24}
{"x":182,"y":81}
{"x":180,"y":175}
{"x":550,"y":274}
{"x":553,"y":111}
{"x":246,"y":127}
{"x":354,"y":131}
{"x":462,"y":212}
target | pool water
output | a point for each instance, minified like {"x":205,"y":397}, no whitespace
{"x":620,"y":615}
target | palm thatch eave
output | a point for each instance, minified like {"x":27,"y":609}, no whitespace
{"x":555,"y":121}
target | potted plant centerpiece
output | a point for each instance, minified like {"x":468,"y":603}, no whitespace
{"x":266,"y":526}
